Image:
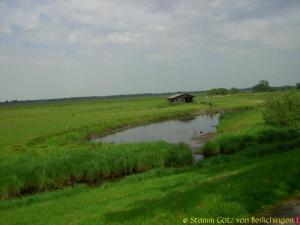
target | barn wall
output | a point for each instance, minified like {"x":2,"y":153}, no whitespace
{"x":181,"y":99}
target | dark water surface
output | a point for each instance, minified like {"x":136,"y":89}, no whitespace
{"x":191,"y":132}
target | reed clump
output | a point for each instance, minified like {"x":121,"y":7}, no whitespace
{"x":35,"y":171}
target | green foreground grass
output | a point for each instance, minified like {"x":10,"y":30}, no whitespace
{"x":233,"y":189}
{"x":237,"y":185}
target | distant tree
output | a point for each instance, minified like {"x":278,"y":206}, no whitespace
{"x":298,"y":85}
{"x":283,"y":110}
{"x":223,"y":91}
{"x":219,"y":91}
{"x":234,"y":90}
{"x":285,"y":88}
{"x":263,"y":85}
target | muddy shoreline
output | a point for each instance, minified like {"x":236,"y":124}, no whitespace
{"x":289,"y":208}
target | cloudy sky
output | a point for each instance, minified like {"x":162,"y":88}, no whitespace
{"x":64,"y":48}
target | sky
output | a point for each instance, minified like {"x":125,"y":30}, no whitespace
{"x":56,"y":48}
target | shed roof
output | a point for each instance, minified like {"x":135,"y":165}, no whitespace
{"x":179,"y":95}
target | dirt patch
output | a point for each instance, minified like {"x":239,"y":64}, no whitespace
{"x":286,"y":209}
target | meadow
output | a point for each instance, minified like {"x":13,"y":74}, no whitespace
{"x":46,"y":147}
{"x":23,"y":123}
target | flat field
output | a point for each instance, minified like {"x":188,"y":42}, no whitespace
{"x":24,"y":122}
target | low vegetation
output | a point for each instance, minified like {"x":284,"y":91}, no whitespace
{"x":255,"y":165}
{"x":32,"y":171}
{"x":269,"y":140}
{"x":34,"y":163}
{"x":26,"y":123}
{"x":279,"y":130}
{"x":283,"y":110}
{"x":231,"y":186}
{"x":223,"y":91}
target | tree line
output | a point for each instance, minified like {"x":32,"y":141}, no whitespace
{"x":262,"y":86}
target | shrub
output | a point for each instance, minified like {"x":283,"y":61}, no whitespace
{"x":271,"y":140}
{"x":283,"y":110}
{"x":263,"y":85}
{"x":218,"y":91}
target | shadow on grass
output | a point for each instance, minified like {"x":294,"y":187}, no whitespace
{"x":244,"y":193}
{"x":176,"y":200}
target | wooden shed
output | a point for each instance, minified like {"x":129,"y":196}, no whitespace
{"x":181,"y":97}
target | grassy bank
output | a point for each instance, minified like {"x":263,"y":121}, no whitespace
{"x":33,"y":172}
{"x":242,"y":122}
{"x":269,"y":140}
{"x":233,"y":189}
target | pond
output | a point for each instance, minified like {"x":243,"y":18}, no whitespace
{"x":192,"y":132}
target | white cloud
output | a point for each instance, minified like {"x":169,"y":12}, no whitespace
{"x":196,"y":22}
{"x":122,"y":38}
{"x":180,"y":33}
{"x":159,"y":28}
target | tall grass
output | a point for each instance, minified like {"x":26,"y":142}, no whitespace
{"x":239,"y":189}
{"x":271,"y":138}
{"x":37,"y":171}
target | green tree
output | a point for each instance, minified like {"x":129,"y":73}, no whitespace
{"x":298,"y":85}
{"x":234,"y":90}
{"x":219,"y":91}
{"x":263,"y":85}
{"x":283,"y":110}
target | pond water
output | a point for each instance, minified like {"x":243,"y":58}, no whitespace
{"x":191,"y":132}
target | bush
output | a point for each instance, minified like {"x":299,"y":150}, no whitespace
{"x":223,"y":91}
{"x":283,"y":110}
{"x":263,"y":85}
{"x":270,"y":140}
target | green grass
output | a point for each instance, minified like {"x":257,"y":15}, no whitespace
{"x":244,"y":122}
{"x":22,"y":123}
{"x":268,"y":137}
{"x":46,"y":146}
{"x":32,"y":171}
{"x":262,"y":142}
{"x":234,"y":189}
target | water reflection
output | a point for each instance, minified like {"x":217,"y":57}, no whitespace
{"x":191,"y":132}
